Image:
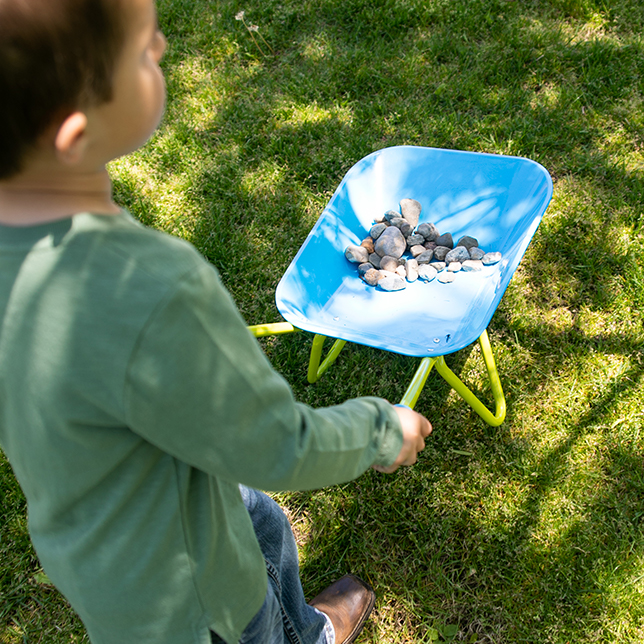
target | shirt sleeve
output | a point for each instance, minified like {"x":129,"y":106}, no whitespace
{"x":200,"y":388}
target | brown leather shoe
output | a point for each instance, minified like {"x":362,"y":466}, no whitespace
{"x":348,"y":603}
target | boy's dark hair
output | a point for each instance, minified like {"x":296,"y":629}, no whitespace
{"x":55,"y":56}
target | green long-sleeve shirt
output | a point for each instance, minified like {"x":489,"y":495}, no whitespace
{"x":133,"y":401}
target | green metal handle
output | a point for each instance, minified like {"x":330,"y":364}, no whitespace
{"x":276,"y":328}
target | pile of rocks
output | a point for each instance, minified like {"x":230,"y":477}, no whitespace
{"x":398,"y":251}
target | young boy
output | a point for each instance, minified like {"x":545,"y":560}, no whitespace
{"x":137,"y":411}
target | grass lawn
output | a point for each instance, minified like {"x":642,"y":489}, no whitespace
{"x":530,"y":532}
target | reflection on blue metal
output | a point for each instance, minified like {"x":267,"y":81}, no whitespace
{"x":499,"y":200}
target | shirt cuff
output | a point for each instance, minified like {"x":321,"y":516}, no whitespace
{"x":391,"y":440}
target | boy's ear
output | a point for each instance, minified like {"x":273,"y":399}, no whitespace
{"x":71,"y":139}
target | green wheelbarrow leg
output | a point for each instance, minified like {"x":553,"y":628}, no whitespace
{"x":426,"y":364}
{"x":452,"y":379}
{"x":315,"y":368}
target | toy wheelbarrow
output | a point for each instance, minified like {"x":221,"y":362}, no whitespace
{"x":499,"y":200}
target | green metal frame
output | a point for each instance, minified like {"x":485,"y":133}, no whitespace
{"x":317,"y":367}
{"x":426,"y":364}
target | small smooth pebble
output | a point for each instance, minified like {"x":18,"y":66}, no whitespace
{"x":458,"y":254}
{"x":391,"y":284}
{"x":391,"y":242}
{"x":472,"y":265}
{"x":476,"y":253}
{"x":426,"y":272}
{"x":416,"y":250}
{"x":445,"y":277}
{"x":388,"y":263}
{"x":372,"y":276}
{"x":468,"y":242}
{"x":428,"y":231}
{"x":374,"y":260}
{"x":439,"y":266}
{"x":410,"y":209}
{"x":454,"y":267}
{"x":411,"y":270}
{"x":377,"y":230}
{"x":403,"y":225}
{"x":426,"y":257}
{"x":440,"y":252}
{"x":390,"y":215}
{"x":356,"y":254}
{"x":401,"y":271}
{"x":368,"y":244}
{"x":491,"y":258}
{"x":363,"y":268}
{"x":415,"y":240}
{"x":445,"y":240}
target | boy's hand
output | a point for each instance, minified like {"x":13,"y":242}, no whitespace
{"x":416,"y":429}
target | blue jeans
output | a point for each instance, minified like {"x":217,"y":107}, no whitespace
{"x":285,"y":617}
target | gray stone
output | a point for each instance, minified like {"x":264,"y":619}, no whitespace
{"x":377,"y":230}
{"x":445,"y":240}
{"x":417,"y":250}
{"x":391,"y":242}
{"x":458,"y":254}
{"x":428,"y":231}
{"x":391,"y":214}
{"x":426,"y":272}
{"x":454,"y":267}
{"x":388,"y":263}
{"x":440,"y":252}
{"x":426,"y":257}
{"x":446,"y":277}
{"x":363,"y":268}
{"x":472,"y":265}
{"x":356,"y":254}
{"x":410,"y":209}
{"x":374,"y":260}
{"x":468,"y":242}
{"x":403,"y":225}
{"x":415,"y":240}
{"x":491,"y":258}
{"x":411,"y":270}
{"x":395,"y":283}
{"x":476,"y":253}
{"x":372,"y":276}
